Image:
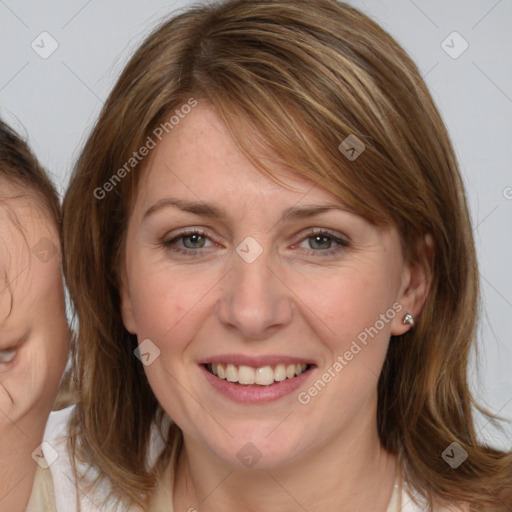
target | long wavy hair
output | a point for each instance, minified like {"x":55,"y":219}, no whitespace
{"x":292,"y":79}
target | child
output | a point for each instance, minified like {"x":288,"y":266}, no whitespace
{"x":34,"y":333}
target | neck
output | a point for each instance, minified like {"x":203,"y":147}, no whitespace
{"x":350,"y":472}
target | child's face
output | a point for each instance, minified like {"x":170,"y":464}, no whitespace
{"x":34,"y":334}
{"x":225,"y":266}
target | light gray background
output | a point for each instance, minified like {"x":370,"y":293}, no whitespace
{"x":54,"y":102}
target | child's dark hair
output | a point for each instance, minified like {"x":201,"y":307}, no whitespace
{"x":19,"y":166}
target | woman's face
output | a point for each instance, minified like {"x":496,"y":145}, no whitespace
{"x":225,"y":267}
{"x":34,"y":334}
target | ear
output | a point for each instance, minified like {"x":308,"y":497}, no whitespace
{"x":126,"y":303}
{"x":416,"y":281}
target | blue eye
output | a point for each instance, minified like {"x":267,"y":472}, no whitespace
{"x":188,"y":242}
{"x":323,"y":242}
{"x":193,"y":241}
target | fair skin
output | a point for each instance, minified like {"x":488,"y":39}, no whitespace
{"x":307,"y":296}
{"x":34,"y":338}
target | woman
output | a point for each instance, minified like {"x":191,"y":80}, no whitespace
{"x":267,"y":241}
{"x":34,"y":334}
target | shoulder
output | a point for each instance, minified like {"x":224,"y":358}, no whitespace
{"x":62,"y":466}
{"x":57,"y":456}
{"x":67,"y":491}
{"x":42,"y":496}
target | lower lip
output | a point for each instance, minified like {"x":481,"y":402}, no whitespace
{"x":247,"y":394}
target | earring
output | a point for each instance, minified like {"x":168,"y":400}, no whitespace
{"x":408,"y":319}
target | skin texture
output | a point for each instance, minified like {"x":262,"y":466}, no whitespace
{"x":295,"y":299}
{"x":35,"y":331}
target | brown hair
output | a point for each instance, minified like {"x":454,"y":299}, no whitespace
{"x":18,"y":165}
{"x":298,"y":77}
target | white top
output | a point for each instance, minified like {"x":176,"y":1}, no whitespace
{"x":60,"y":474}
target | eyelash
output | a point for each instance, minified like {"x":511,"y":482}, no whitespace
{"x":340,"y":243}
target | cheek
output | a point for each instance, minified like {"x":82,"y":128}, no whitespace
{"x":168,"y":304}
{"x":169,"y":314}
{"x":353,"y":317}
{"x":342,"y":305}
{"x":28,"y":381}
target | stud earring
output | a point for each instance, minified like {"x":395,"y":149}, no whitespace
{"x":408,"y":319}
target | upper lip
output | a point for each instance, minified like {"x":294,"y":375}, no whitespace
{"x":254,"y":361}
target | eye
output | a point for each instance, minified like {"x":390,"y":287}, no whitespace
{"x":323,"y":242}
{"x":194,"y":241}
{"x":7,"y":355}
{"x":188,"y":242}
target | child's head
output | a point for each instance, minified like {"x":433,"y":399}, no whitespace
{"x":34,"y":333}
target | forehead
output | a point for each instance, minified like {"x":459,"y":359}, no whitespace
{"x":24,"y":227}
{"x":14,"y":259}
{"x":199,"y":159}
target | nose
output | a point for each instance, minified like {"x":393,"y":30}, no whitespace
{"x":254,"y":299}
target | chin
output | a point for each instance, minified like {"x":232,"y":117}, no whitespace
{"x":258,"y":450}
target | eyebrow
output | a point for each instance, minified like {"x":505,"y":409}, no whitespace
{"x":196,"y":207}
{"x":209,"y":210}
{"x":304,"y":212}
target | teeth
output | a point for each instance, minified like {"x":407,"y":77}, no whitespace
{"x":245,"y":375}
{"x":280,"y":372}
{"x":231,"y":373}
{"x":263,"y":376}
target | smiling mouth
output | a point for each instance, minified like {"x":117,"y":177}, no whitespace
{"x":261,"y":376}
